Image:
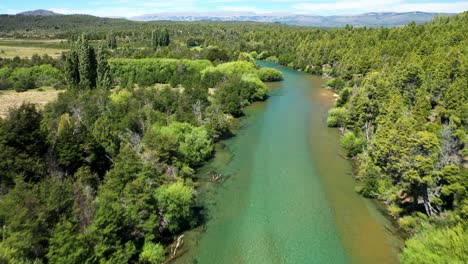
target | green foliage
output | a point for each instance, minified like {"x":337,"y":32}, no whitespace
{"x":217,"y":55}
{"x":336,"y":83}
{"x":145,"y":72}
{"x":228,"y":97}
{"x":345,"y":94}
{"x":337,"y":117}
{"x":244,"y":56}
{"x":403,"y":89}
{"x":174,"y":202}
{"x":152,"y":253}
{"x":86,"y":63}
{"x":66,"y":246}
{"x":352,"y":143}
{"x":270,"y":75}
{"x":111,"y":41}
{"x":103,"y":79}
{"x":22,"y":142}
{"x":196,"y":146}
{"x":72,"y":71}
{"x":445,"y":245}
{"x":369,"y":174}
{"x":212,"y":76}
{"x":160,"y":38}
{"x":25,"y":78}
{"x":181,"y":141}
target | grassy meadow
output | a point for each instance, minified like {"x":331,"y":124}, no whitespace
{"x":12,"y":99}
{"x":10,"y":48}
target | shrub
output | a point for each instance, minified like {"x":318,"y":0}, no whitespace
{"x":269,"y":75}
{"x":149,"y":71}
{"x":252,"y":88}
{"x":152,"y":253}
{"x":442,"y":245}
{"x":174,"y":202}
{"x":244,"y":56}
{"x":337,"y":117}
{"x":352,"y":143}
{"x":212,"y":76}
{"x":336,"y":83}
{"x":345,"y":94}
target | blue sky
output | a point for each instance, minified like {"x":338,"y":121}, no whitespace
{"x":129,"y":8}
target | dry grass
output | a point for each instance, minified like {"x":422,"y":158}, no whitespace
{"x":12,"y":99}
{"x":12,"y":51}
{"x":10,"y":48}
{"x":13,"y":40}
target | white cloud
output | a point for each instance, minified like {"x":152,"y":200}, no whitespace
{"x":363,"y":6}
{"x":454,"y":7}
{"x":121,"y":8}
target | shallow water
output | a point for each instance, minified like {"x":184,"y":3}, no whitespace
{"x":290,"y":194}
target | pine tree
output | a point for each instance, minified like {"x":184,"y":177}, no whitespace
{"x":104,"y":79}
{"x":154,"y":39}
{"x":422,"y":106}
{"x":454,"y":97}
{"x":165,"y":37}
{"x":87,"y":64}
{"x":111,"y":41}
{"x":71,"y":68}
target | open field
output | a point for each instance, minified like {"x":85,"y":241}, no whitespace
{"x":12,"y":99}
{"x":10,"y":48}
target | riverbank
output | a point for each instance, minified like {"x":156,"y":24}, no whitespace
{"x":362,"y":225}
{"x":279,"y":204}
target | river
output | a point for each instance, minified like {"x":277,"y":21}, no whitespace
{"x":290,"y":194}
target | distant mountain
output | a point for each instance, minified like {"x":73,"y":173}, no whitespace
{"x":39,"y":12}
{"x":367,"y":19}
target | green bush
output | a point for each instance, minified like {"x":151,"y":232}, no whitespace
{"x":212,"y":76}
{"x":337,"y":117}
{"x":189,"y":144}
{"x":152,"y":253}
{"x":150,"y":71}
{"x":444,"y":245}
{"x":22,"y":79}
{"x":345,"y":94}
{"x":269,"y":75}
{"x":253,"y":89}
{"x":336,"y":83}
{"x":175,"y":201}
{"x":352,"y":143}
{"x":244,"y":56}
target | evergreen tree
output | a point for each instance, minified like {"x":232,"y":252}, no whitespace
{"x":111,"y":41}
{"x":165,"y":37}
{"x":422,"y":106}
{"x":87,"y":64}
{"x":72,"y":68}
{"x":104,"y":79}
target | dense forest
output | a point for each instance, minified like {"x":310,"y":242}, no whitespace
{"x":107,"y":172}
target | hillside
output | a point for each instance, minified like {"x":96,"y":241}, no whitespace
{"x":38,"y":12}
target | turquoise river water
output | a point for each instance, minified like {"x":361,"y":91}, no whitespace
{"x":290,"y":194}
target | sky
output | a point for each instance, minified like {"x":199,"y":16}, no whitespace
{"x":129,"y":8}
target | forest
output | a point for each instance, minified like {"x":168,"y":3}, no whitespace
{"x":107,"y":173}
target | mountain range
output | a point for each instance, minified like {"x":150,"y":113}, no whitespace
{"x":368,"y":19}
{"x":39,"y":12}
